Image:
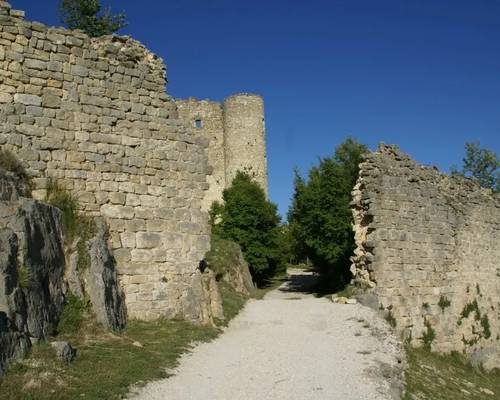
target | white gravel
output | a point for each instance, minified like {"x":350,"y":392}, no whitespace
{"x":289,"y":346}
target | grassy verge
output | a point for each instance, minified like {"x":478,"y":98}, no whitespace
{"x":106,"y":365}
{"x":232,"y":303}
{"x":432,"y":376}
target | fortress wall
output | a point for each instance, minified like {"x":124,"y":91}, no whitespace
{"x":208,"y":116}
{"x":244,"y":138}
{"x":427,"y":253}
{"x":93,"y":113}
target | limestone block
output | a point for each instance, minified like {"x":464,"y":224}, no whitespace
{"x":28,"y":99}
{"x":147,"y":240}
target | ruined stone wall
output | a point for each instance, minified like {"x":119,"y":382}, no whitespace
{"x":93,"y":113}
{"x":428,"y":251}
{"x":235,"y":131}
{"x":205,"y":117}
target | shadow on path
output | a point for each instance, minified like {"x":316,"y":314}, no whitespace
{"x":300,"y":281}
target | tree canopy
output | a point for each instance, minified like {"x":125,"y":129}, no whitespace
{"x":247,"y":218}
{"x":482,"y":165}
{"x":320,"y":217}
{"x":88,"y":16}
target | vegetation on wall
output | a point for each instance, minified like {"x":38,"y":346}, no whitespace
{"x":320,"y":216}
{"x":9,"y":162}
{"x":482,"y":165}
{"x":88,"y":16}
{"x":75,"y":224}
{"x":249,"y":219}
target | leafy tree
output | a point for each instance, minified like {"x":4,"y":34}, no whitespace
{"x":320,"y":217}
{"x":247,"y":218}
{"x":87,"y":16}
{"x":481,"y":164}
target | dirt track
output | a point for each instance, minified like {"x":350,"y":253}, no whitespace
{"x":289,"y":346}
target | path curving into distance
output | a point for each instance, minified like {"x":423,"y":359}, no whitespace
{"x":289,"y":346}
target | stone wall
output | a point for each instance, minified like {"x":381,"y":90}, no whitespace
{"x":427,"y":253}
{"x":205,"y":117}
{"x":235,"y":131}
{"x":93,"y":114}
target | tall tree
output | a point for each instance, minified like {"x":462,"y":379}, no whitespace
{"x":320,"y":217}
{"x":87,"y":16}
{"x":247,"y":218}
{"x":482,"y":165}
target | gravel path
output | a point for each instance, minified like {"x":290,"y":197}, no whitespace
{"x":289,"y":346}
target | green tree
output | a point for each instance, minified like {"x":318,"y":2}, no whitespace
{"x":482,"y":165}
{"x":320,"y":216}
{"x":87,"y":16}
{"x":247,"y":218}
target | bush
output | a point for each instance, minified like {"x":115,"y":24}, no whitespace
{"x":482,"y":165}
{"x":74,"y":224}
{"x":74,"y":313}
{"x":247,"y":218}
{"x":320,"y":216}
{"x":86,"y":15}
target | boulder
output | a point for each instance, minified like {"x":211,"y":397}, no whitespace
{"x":64,"y":351}
{"x":101,"y":281}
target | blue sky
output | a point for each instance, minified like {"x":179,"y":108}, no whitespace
{"x":423,"y":74}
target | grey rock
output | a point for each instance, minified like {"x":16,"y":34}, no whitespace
{"x":12,"y":187}
{"x":64,"y":351}
{"x":102,"y":282}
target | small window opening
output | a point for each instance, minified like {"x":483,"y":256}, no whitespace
{"x":197,"y":123}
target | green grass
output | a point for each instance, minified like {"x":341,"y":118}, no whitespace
{"x":431,"y":376}
{"x":75,"y":313}
{"x":106,"y":364}
{"x":232,"y":303}
{"x":223,"y":256}
{"x":23,"y":276}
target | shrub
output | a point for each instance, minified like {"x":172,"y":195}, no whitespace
{"x":320,"y":216}
{"x":74,"y":224}
{"x":428,"y":336}
{"x":87,"y":16}
{"x":23,"y":276}
{"x":73,"y":315}
{"x":247,"y":218}
{"x":444,"y":303}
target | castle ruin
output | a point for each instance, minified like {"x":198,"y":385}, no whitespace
{"x":428,"y":246}
{"x":93,"y":114}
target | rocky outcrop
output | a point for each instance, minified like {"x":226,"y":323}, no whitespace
{"x":427,"y":253}
{"x":31,"y":275}
{"x":101,"y":281}
{"x":34,"y":272}
{"x":226,"y":260}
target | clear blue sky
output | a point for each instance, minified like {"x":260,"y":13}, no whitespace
{"x":424,"y":74}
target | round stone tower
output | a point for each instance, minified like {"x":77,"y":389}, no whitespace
{"x":245,"y":138}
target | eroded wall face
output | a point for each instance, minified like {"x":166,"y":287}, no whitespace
{"x":428,"y":251}
{"x":93,"y":114}
{"x":205,"y":117}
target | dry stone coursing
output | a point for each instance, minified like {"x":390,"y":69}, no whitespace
{"x":236,"y":134}
{"x":427,"y":252}
{"x":93,"y":113}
